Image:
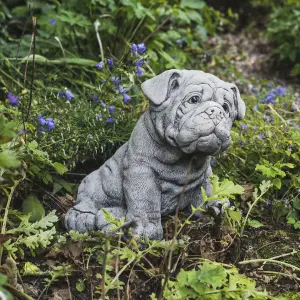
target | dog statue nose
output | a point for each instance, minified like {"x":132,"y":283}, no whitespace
{"x":215,"y":113}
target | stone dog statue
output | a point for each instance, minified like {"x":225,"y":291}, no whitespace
{"x":190,"y":116}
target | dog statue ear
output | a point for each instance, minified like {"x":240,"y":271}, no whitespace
{"x":158,"y":88}
{"x":239,"y":104}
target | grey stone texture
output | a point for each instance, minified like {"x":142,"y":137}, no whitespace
{"x":189,"y":118}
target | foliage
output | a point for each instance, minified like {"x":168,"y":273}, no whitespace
{"x":211,"y":280}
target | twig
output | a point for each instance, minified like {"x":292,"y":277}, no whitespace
{"x":158,"y":28}
{"x":271,"y":261}
{"x":5,"y":217}
{"x":68,"y":282}
{"x":17,"y":293}
{"x":97,"y":25}
{"x":104,"y":269}
{"x":176,"y":232}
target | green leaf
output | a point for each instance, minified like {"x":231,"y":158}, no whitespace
{"x":226,"y":188}
{"x":61,"y":169}
{"x":235,"y":215}
{"x":30,"y":268}
{"x":270,"y":171}
{"x":277,"y":183}
{"x":9,"y":159}
{"x":196,"y":4}
{"x":254,"y":223}
{"x":80,"y":286}
{"x":296,"y":204}
{"x":32,"y":205}
{"x":212,"y":274}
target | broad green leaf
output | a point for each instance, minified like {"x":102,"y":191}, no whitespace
{"x":80,"y":286}
{"x":9,"y":159}
{"x":270,"y":171}
{"x":254,"y":223}
{"x":61,"y":169}
{"x":277,"y":183}
{"x":30,"y":268}
{"x":212,"y":274}
{"x":32,"y":205}
{"x":235,"y":215}
{"x":296,"y":204}
{"x":196,"y":4}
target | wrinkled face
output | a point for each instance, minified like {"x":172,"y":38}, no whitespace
{"x":193,"y":110}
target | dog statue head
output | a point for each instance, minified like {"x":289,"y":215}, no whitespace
{"x":193,"y":110}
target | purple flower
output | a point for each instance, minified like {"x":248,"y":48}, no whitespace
{"x":61,"y":94}
{"x":140,"y":62}
{"x":111,"y":109}
{"x":122,"y":90}
{"x":213,"y":161}
{"x":268,"y":202}
{"x":224,"y":154}
{"x":52,"y":22}
{"x":22,"y":131}
{"x":99,"y":117}
{"x":42,"y":121}
{"x":110,"y":62}
{"x":116,"y":80}
{"x":270,"y":98}
{"x":50,"y":123}
{"x":134,"y":48}
{"x":254,"y":90}
{"x":281,"y":91}
{"x":141,"y":48}
{"x":290,"y":149}
{"x":102,"y":103}
{"x":126,"y":98}
{"x":69,"y":95}
{"x":244,"y":126}
{"x":269,"y":85}
{"x":254,"y":127}
{"x":13,"y":100}
{"x":99,"y":65}
{"x":261,"y":136}
{"x":110,"y":121}
{"x":255,"y":107}
{"x":179,"y":41}
{"x":139,"y":71}
{"x":103,"y":81}
{"x":96,"y":98}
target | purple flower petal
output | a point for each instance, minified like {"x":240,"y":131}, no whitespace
{"x":98,"y":117}
{"x":110,"y":62}
{"x":139,"y":71}
{"x":141,"y":48}
{"x":140,"y":62}
{"x":111,"y":109}
{"x":110,"y":120}
{"x":99,"y":65}
{"x":69,"y":95}
{"x":52,"y":22}
{"x":13,"y":100}
{"x":102,"y":103}
{"x":96,"y":98}
{"x":42,"y":121}
{"x":134,"y":48}
{"x":61,"y":94}
{"x":116,"y":80}
{"x":126,"y":98}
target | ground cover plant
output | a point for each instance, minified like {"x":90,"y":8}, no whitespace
{"x":70,"y":74}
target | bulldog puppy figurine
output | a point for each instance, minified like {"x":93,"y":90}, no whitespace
{"x":190,"y":117}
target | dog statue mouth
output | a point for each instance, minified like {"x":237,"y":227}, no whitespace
{"x":207,"y":136}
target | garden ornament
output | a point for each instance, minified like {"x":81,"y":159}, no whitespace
{"x":189,"y":118}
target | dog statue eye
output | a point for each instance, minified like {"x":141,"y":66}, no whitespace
{"x":226,"y":108}
{"x":194,"y":100}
